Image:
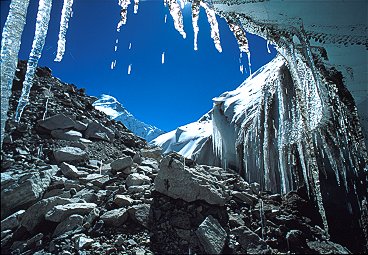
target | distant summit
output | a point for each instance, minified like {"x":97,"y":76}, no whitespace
{"x":115,"y":110}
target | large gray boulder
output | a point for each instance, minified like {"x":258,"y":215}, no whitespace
{"x":59,"y":121}
{"x":115,"y":217}
{"x":71,"y":171}
{"x":140,"y":213}
{"x":136,"y":179}
{"x":189,"y":184}
{"x":211,"y":235}
{"x":21,"y":190}
{"x":73,"y":222}
{"x":69,"y":135}
{"x":70,"y":154}
{"x":121,"y":163}
{"x":61,"y":212}
{"x":35,"y":214}
{"x":98,"y":131}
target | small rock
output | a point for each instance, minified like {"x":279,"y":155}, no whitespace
{"x":98,"y":131}
{"x":73,"y":222}
{"x":121,"y":163}
{"x":255,"y":187}
{"x":82,"y":242}
{"x":136,"y":179}
{"x":140,"y":214}
{"x":211,"y":235}
{"x":152,"y":153}
{"x":245,"y":197}
{"x":122,"y":200}
{"x":115,"y":217}
{"x":70,"y":154}
{"x":71,"y":171}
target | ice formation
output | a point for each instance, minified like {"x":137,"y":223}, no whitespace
{"x":177,"y":16}
{"x":66,"y":13}
{"x":215,"y":33}
{"x":195,"y":17}
{"x":10,"y":45}
{"x":163,"y":57}
{"x":129,"y":68}
{"x":42,"y":23}
{"x":123,"y":13}
{"x":136,"y":5}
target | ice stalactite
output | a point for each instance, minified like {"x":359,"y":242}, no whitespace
{"x":136,"y":6}
{"x":42,"y":23}
{"x":129,"y":68}
{"x":10,"y":45}
{"x":268,"y":46}
{"x":123,"y":13}
{"x":165,"y":19}
{"x":215,"y":33}
{"x":66,"y":13}
{"x":163,"y":58}
{"x":195,"y":17}
{"x":177,"y":16}
{"x":113,"y":64}
{"x":130,"y":46}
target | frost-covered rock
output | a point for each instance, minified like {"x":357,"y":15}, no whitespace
{"x":116,"y":111}
{"x":189,"y":184}
{"x":70,"y":154}
{"x":211,"y":235}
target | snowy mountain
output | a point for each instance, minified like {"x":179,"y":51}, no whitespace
{"x":113,"y":108}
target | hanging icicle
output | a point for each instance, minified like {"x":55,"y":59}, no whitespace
{"x":268,"y":46}
{"x":123,"y":13}
{"x":130,"y":46}
{"x":10,"y":44}
{"x":43,"y":18}
{"x":177,"y":16}
{"x":215,"y":33}
{"x":136,"y":5}
{"x":195,"y":17}
{"x":65,"y":16}
{"x":129,"y":68}
{"x":163,"y":58}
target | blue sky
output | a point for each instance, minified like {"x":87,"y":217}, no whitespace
{"x":167,"y":96}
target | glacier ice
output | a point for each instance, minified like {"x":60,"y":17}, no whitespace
{"x":42,"y":23}
{"x":66,"y":13}
{"x":10,"y":45}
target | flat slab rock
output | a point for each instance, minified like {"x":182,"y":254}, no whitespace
{"x":61,"y":212}
{"x":189,"y":184}
{"x":70,"y":154}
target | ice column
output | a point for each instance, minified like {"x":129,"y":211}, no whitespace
{"x":66,"y":13}
{"x":123,"y":13}
{"x":215,"y":33}
{"x":177,"y":16}
{"x":136,"y":5}
{"x":42,"y":23}
{"x":195,"y":16}
{"x":10,"y":44}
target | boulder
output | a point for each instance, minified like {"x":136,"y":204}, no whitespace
{"x":152,"y":153}
{"x":35,"y":214}
{"x":121,"y":163}
{"x":122,"y":200}
{"x":136,"y":179}
{"x":61,"y":212}
{"x":98,"y":131}
{"x":255,"y":187}
{"x":70,"y":154}
{"x":71,"y":171}
{"x":81,"y":241}
{"x":21,"y":190}
{"x":69,"y":135}
{"x":115,"y":217}
{"x":59,"y":121}
{"x":211,"y":235}
{"x":189,"y":184}
{"x":73,"y":222}
{"x":250,"y":241}
{"x":140,"y":213}
{"x":245,"y":197}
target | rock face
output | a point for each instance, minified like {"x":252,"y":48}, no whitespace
{"x":189,"y":184}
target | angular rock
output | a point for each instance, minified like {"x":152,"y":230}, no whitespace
{"x":121,"y":163}
{"x":250,"y":241}
{"x":71,"y":171}
{"x":140,"y":213}
{"x":255,"y":187}
{"x":245,"y":197}
{"x":81,"y":242}
{"x":19,"y":190}
{"x":61,"y":212}
{"x":115,"y":217}
{"x":69,"y":135}
{"x":12,"y":221}
{"x":35,"y":214}
{"x":152,"y":153}
{"x":211,"y":235}
{"x":136,"y":179}
{"x":189,"y":184}
{"x":80,"y":126}
{"x":90,"y":218}
{"x":122,"y":200}
{"x":73,"y":222}
{"x":98,"y":131}
{"x":59,"y":121}
{"x":70,"y":154}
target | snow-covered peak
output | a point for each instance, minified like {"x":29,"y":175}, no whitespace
{"x":115,"y":110}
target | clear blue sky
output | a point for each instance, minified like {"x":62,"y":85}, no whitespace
{"x":167,"y":96}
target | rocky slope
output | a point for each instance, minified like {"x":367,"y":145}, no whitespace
{"x":116,"y":111}
{"x":75,"y":182}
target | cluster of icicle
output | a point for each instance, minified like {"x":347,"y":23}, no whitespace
{"x":10,"y":46}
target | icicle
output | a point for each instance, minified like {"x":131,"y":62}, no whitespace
{"x":177,"y":16}
{"x":43,"y":18}
{"x":65,"y":16}
{"x":268,"y":46}
{"x":163,"y":57}
{"x":10,"y":44}
{"x":113,"y":64}
{"x":130,"y":46}
{"x":123,"y":13}
{"x":115,"y":48}
{"x":136,"y":5}
{"x":249,"y":63}
{"x":215,"y":34}
{"x":239,"y":34}
{"x":242,"y":69}
{"x":195,"y":17}
{"x":129,"y":68}
{"x":182,"y":4}
{"x":165,"y":18}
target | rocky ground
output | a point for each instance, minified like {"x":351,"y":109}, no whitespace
{"x":74,"y":182}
